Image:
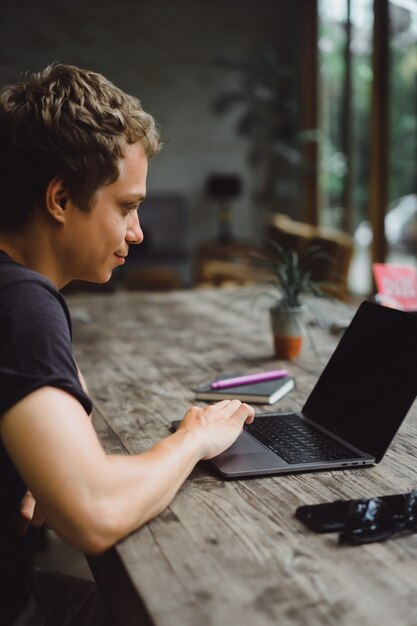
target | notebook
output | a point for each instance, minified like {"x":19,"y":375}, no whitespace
{"x":265,"y":392}
{"x":353,"y":412}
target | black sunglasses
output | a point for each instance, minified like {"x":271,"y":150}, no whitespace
{"x":372,"y":520}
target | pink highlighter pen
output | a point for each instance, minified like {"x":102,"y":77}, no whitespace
{"x":249,"y":379}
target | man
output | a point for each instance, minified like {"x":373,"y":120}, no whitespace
{"x":74,"y":154}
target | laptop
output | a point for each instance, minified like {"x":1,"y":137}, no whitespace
{"x":352,"y":414}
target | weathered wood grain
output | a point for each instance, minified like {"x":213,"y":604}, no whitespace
{"x":231,"y":552}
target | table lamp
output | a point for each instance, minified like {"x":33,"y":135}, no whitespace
{"x":222,"y":189}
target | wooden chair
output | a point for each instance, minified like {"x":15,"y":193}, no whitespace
{"x":222,"y":264}
{"x":337,"y":245}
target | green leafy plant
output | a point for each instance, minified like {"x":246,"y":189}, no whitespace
{"x":268,"y":115}
{"x":291,"y":273}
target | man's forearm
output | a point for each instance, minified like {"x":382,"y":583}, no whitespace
{"x":153,"y":478}
{"x":131,"y":490}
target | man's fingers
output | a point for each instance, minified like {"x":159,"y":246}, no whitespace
{"x":251,"y":415}
{"x":29,"y":515}
{"x":245,"y":413}
{"x":38,"y":519}
{"x":232,"y":406}
{"x":222,"y":403}
{"x":240,"y":409}
{"x":25,"y":514}
{"x":27,"y":506}
{"x":224,"y":408}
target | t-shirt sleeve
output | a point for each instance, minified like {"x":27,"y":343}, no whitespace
{"x":35,"y":345}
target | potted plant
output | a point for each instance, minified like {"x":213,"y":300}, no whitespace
{"x":291,"y":280}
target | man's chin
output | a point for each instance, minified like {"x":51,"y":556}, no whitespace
{"x":102,"y":280}
{"x":97,"y":279}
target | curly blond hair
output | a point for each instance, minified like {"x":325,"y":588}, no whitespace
{"x":68,"y":122}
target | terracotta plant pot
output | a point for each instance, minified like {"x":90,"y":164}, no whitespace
{"x":288,"y":329}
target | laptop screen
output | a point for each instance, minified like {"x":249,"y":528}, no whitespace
{"x":370,"y":382}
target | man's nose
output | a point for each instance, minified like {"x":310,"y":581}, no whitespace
{"x":134,"y":232}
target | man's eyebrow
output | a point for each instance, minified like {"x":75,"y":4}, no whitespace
{"x":135,"y":197}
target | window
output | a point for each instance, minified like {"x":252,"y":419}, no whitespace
{"x":346,"y":83}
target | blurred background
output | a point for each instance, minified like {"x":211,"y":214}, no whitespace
{"x":280,"y":117}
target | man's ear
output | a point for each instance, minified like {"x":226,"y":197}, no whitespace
{"x":56,"y":199}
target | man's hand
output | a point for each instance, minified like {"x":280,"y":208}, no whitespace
{"x":220,"y":424}
{"x":29,"y":515}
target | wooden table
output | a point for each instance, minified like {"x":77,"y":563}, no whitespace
{"x":231,"y":553}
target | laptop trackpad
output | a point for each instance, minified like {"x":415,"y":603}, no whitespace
{"x":247,"y":454}
{"x":243,"y":444}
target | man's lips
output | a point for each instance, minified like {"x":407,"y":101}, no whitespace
{"x":121,"y":258}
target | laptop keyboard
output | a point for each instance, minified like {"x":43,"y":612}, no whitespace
{"x":296,"y":441}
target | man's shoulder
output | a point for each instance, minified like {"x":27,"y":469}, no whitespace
{"x":24,"y":283}
{"x":24,"y":292}
{"x":13,"y":274}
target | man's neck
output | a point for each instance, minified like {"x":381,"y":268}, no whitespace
{"x":12,"y":249}
{"x":32,"y":251}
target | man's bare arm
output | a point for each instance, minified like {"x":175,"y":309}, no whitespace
{"x":92,"y":499}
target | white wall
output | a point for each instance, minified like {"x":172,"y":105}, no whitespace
{"x":162,"y":52}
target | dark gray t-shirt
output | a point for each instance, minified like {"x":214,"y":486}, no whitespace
{"x":35,"y":351}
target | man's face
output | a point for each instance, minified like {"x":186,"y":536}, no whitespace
{"x":100,"y":239}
